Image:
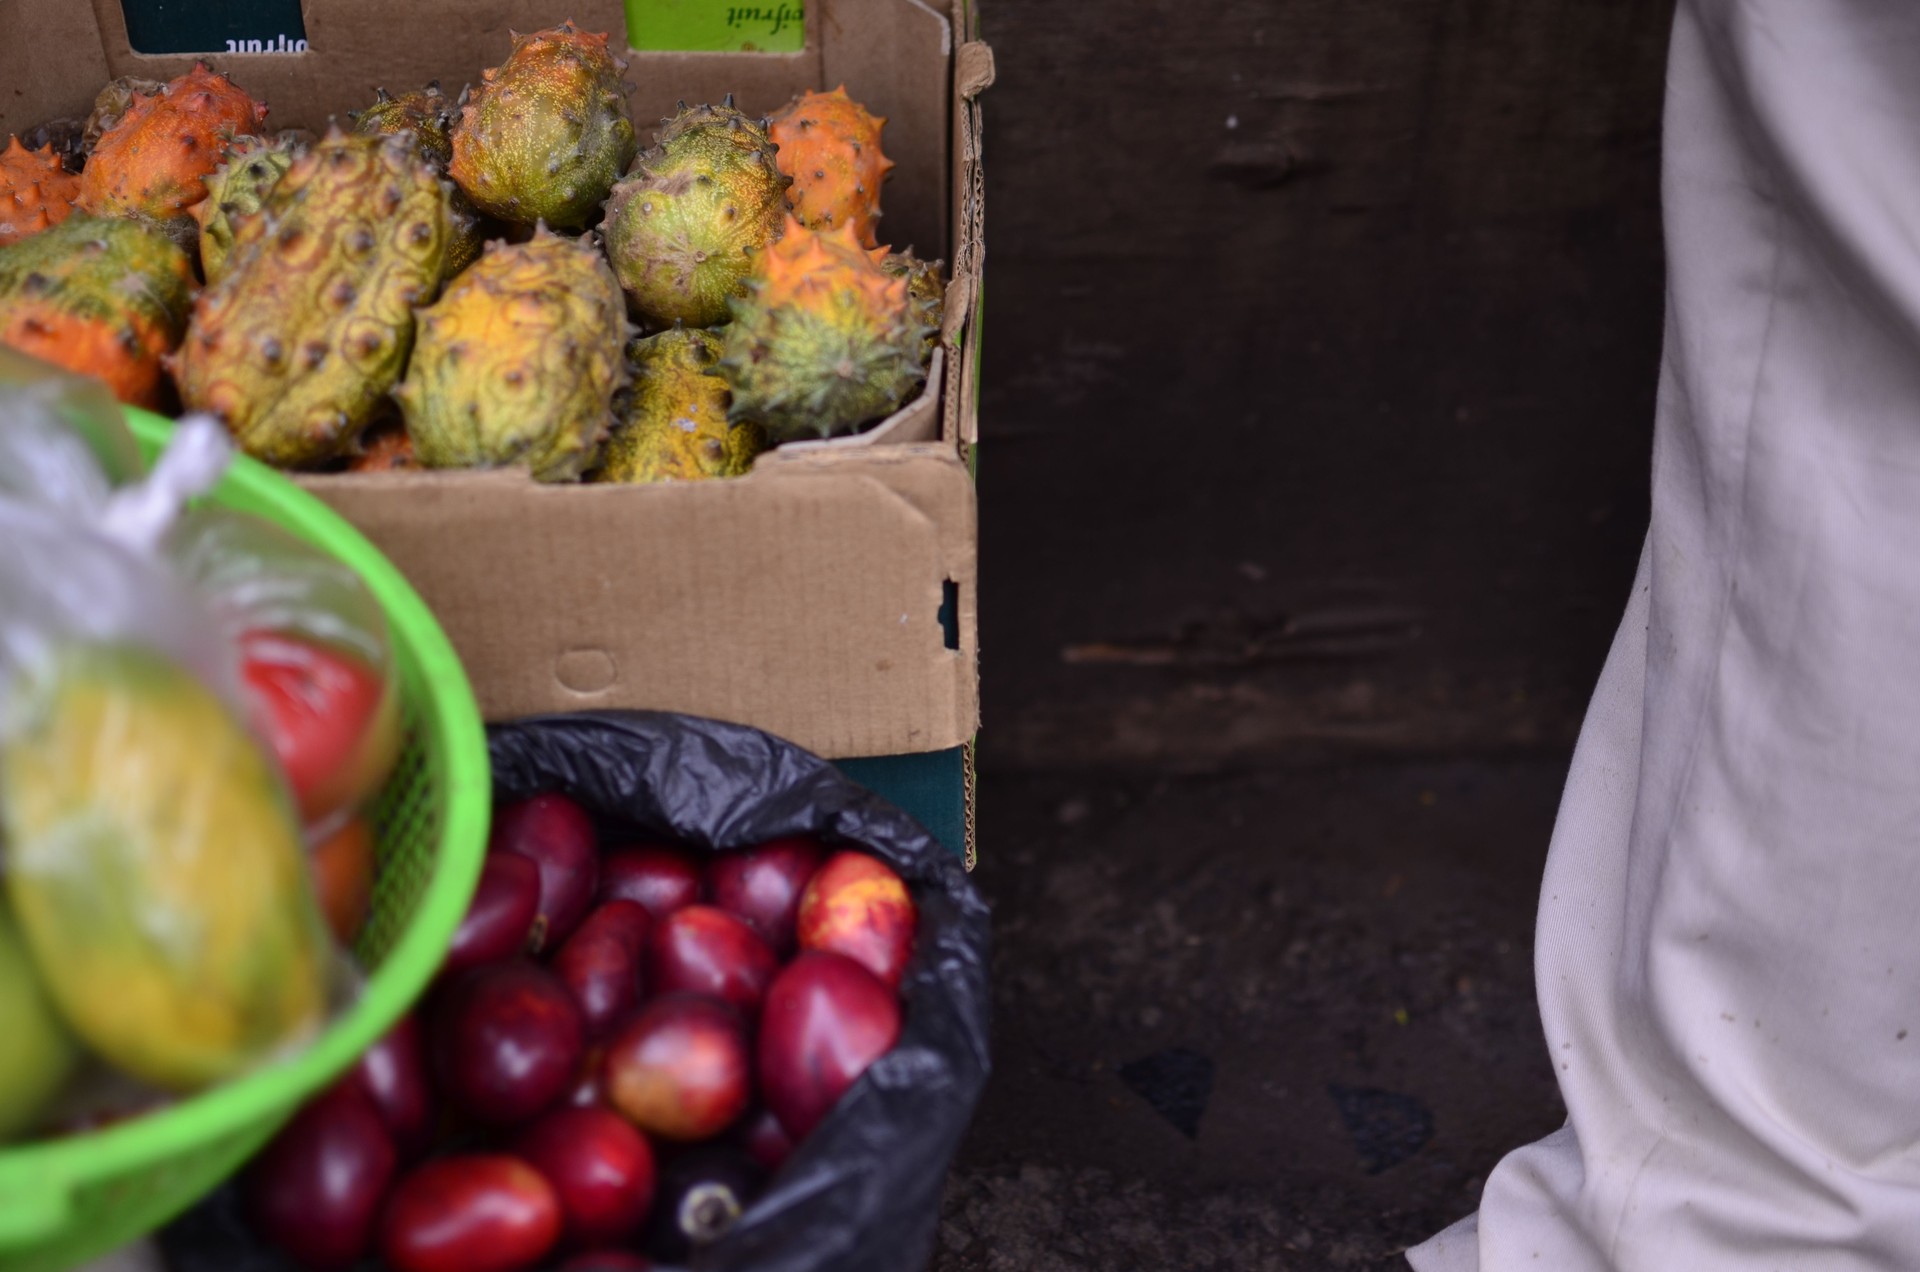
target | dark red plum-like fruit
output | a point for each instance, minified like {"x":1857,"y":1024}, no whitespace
{"x":601,"y":963}
{"x":317,"y":1189}
{"x":826,"y":1020}
{"x":762,"y":886}
{"x":857,"y":906}
{"x":393,"y":1073}
{"x":703,"y":1192}
{"x":500,"y":917}
{"x":600,"y":1168}
{"x":507,"y":1042}
{"x":703,"y":950}
{"x":681,"y":1069}
{"x":556,"y":835}
{"x":589,"y":1080}
{"x":606,"y":1261}
{"x":765,"y":1140}
{"x":662,"y":879}
{"x":475,"y":1212}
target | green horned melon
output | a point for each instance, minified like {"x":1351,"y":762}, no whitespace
{"x":298,"y":343}
{"x":926,"y":290}
{"x":157,"y":871}
{"x":674,"y":426}
{"x":684,"y":228}
{"x":825,"y":341}
{"x":546,"y":133}
{"x":519,"y":361}
{"x":236,"y":190}
{"x":427,"y":114}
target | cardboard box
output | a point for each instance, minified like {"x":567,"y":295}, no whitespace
{"x":830,"y":595}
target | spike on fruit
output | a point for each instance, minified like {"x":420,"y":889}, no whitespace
{"x":36,"y":191}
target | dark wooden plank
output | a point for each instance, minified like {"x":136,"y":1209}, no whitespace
{"x":1305,"y":308}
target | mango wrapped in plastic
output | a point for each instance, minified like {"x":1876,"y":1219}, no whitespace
{"x":157,"y":909}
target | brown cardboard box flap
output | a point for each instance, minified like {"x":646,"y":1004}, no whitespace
{"x":805,"y":598}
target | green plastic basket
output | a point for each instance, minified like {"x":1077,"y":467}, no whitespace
{"x":65,"y":1201}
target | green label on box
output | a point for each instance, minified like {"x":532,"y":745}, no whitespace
{"x":717,"y":26}
{"x":215,"y":26}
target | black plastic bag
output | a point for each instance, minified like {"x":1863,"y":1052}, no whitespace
{"x":862,"y":1193}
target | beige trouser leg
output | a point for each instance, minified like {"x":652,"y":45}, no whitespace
{"x":1728,"y":955}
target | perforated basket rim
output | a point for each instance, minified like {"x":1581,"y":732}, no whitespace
{"x":46,"y":1175}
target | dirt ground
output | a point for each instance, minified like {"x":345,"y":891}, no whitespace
{"x":1274,"y":1021}
{"x":1320,"y":367}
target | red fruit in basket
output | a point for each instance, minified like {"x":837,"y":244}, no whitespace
{"x":606,"y":1261}
{"x":500,"y":917}
{"x":393,"y":1073}
{"x":481,"y":1212}
{"x":557,"y":835}
{"x":329,"y":717}
{"x":765,"y":1140}
{"x":507,"y":1042}
{"x":600,"y":1168}
{"x":680,"y":1069}
{"x":342,"y":866}
{"x":857,"y":906}
{"x":601,"y":963}
{"x":762,"y":886}
{"x":826,"y":1020}
{"x":703,"y":950}
{"x":662,"y":879}
{"x":317,"y":1189}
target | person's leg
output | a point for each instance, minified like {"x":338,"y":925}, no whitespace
{"x":1728,"y":952}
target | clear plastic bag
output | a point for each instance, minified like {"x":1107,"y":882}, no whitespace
{"x":316,"y":655}
{"x":152,"y":861}
{"x":63,"y":439}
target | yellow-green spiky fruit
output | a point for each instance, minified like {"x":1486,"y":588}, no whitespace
{"x":111,"y":103}
{"x":683,"y":229}
{"x":236,"y":191}
{"x":546,"y":134}
{"x":100,"y":296}
{"x":428,"y":115}
{"x":674,"y":426}
{"x":824,"y":341}
{"x":926,"y":290}
{"x":298,"y":343}
{"x":519,"y":362}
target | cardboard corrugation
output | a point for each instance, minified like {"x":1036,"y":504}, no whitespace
{"x":804,"y":598}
